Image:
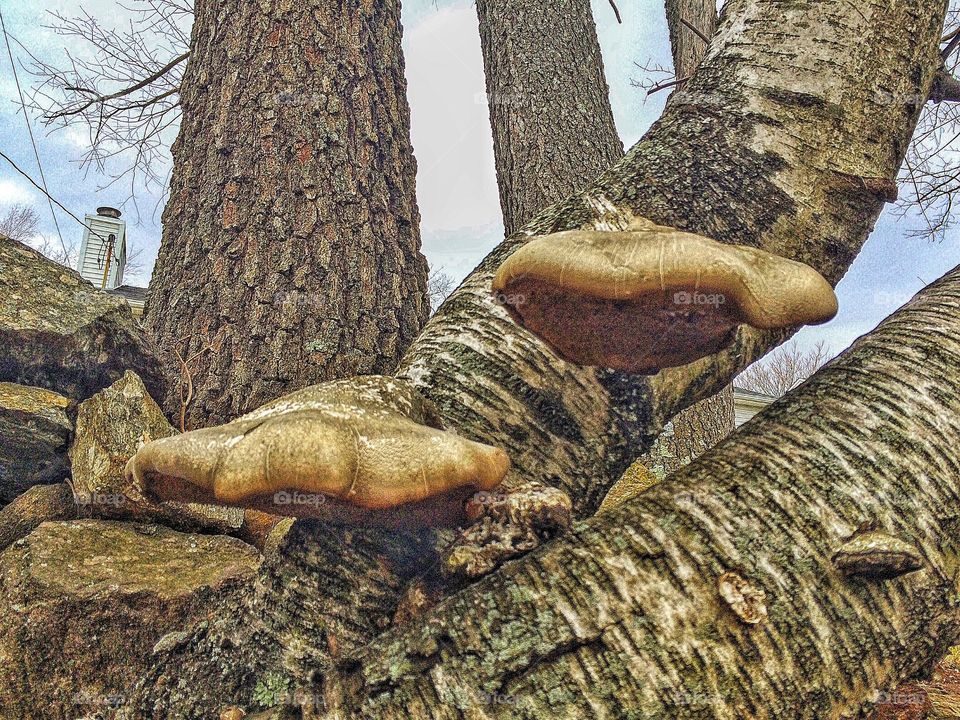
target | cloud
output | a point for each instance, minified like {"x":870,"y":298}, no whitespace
{"x":450,"y":126}
{"x":13,"y":192}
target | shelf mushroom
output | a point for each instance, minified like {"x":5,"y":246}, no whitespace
{"x":652,"y":297}
{"x":366,"y":451}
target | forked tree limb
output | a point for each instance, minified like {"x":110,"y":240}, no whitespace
{"x":623,"y":616}
{"x":792,"y":154}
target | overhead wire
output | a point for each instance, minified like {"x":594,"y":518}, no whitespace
{"x":33,"y":142}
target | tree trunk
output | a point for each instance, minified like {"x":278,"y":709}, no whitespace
{"x":691,"y":433}
{"x":623,"y":616}
{"x":686,"y":45}
{"x":756,"y":149}
{"x":553,"y":130}
{"x":291,"y":249}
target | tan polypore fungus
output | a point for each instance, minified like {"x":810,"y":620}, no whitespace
{"x":368,"y":451}
{"x":652,"y":297}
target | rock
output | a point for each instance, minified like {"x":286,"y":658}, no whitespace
{"x":59,"y":332}
{"x":34,"y":436}
{"x":37,"y":505}
{"x":84,"y":603}
{"x":111,"y":426}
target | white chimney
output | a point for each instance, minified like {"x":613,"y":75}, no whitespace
{"x":103,"y":252}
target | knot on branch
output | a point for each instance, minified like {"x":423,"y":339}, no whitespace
{"x":747,"y":601}
{"x":506,"y":526}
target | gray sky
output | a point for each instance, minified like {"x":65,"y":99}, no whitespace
{"x":456,"y":185}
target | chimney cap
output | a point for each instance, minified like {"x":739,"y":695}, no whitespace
{"x":107,"y":211}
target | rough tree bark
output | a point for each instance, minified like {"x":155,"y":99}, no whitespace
{"x":779,"y":142}
{"x":622,"y":617}
{"x":685,"y":44}
{"x":691,"y":433}
{"x":550,"y":113}
{"x":291,"y":248}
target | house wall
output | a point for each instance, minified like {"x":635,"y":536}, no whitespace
{"x":92,"y":249}
{"x":745,"y":408}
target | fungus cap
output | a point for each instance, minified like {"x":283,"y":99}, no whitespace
{"x":362,"y":451}
{"x":653,"y":297}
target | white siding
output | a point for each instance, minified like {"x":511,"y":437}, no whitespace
{"x":743,"y":413}
{"x":746,"y":404}
{"x":93,"y":253}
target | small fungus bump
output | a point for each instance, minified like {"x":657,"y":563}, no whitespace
{"x":875,"y":554}
{"x":652,"y":297}
{"x":747,"y":601}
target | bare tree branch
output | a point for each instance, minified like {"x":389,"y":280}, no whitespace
{"x":783,"y":369}
{"x":19,"y":222}
{"x":616,"y":11}
{"x":121,"y":84}
{"x":103,"y":99}
{"x":439,"y":286}
{"x":695,"y":30}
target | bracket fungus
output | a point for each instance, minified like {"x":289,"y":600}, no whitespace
{"x":366,"y":451}
{"x":652,"y":297}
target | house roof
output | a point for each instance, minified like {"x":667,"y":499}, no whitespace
{"x":752,"y":395}
{"x":130,"y":292}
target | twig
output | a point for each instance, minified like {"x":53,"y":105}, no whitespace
{"x":187,"y":375}
{"x":666,"y":84}
{"x":696,"y":31}
{"x":616,"y":11}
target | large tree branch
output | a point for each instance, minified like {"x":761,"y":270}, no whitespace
{"x":626,"y":612}
{"x":945,"y":88}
